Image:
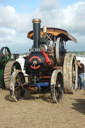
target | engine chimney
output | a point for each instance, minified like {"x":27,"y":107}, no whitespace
{"x":36,"y":32}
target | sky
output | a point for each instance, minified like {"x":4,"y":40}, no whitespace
{"x":16,"y":21}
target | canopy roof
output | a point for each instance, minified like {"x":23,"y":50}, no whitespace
{"x":54,"y":32}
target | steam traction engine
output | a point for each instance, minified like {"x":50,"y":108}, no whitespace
{"x":48,"y":65}
{"x":7,"y":66}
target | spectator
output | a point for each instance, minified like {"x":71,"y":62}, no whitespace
{"x":80,"y":75}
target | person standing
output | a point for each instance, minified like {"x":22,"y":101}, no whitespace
{"x":80,"y":75}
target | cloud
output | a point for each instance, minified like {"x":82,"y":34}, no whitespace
{"x":71,"y":18}
{"x":10,"y":18}
{"x":15,"y":26}
{"x":48,"y":5}
{"x":74,"y":18}
{"x":6,"y":35}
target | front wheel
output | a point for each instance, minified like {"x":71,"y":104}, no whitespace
{"x":16,"y":85}
{"x":56,"y":86}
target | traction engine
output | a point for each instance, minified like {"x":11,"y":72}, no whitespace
{"x":48,"y":65}
{"x":7,"y":66}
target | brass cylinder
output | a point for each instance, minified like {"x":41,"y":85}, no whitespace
{"x":44,"y":29}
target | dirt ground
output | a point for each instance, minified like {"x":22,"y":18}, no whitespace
{"x":37,"y":111}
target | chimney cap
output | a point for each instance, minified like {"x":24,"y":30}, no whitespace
{"x":36,"y":21}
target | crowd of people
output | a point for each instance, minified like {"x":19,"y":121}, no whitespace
{"x":80,"y":75}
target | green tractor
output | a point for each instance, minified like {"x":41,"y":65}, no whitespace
{"x":7,"y":66}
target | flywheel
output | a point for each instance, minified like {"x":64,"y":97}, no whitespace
{"x":5,"y":55}
{"x":59,"y":51}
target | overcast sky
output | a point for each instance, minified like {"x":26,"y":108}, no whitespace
{"x":16,"y":21}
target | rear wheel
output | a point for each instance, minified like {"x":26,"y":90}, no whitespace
{"x":16,"y":85}
{"x":70,"y":73}
{"x":56,"y":86}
